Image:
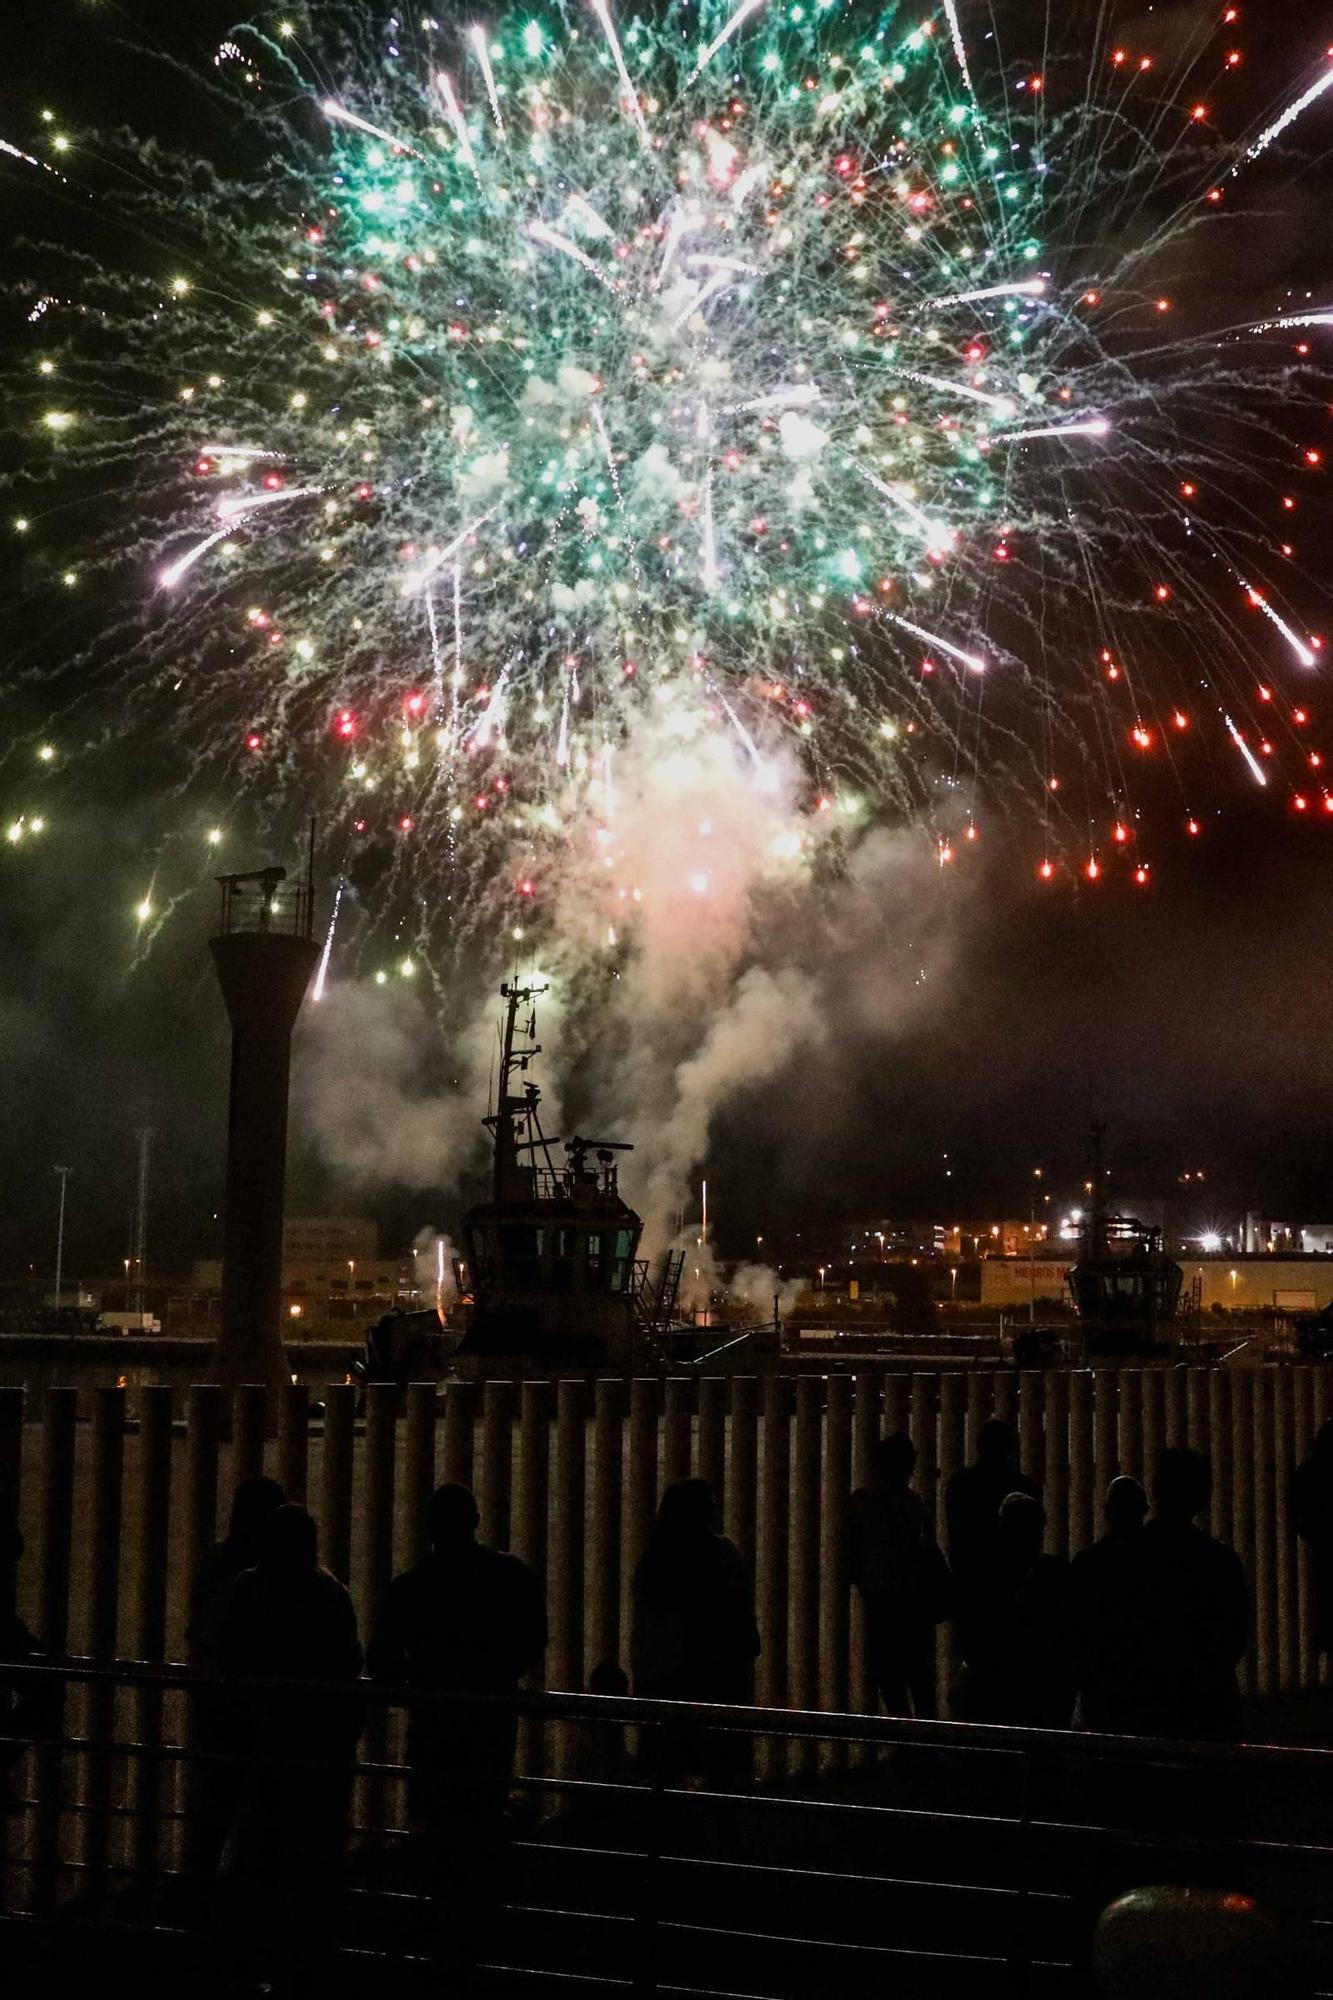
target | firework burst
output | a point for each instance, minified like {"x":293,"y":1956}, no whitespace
{"x":806,"y":395}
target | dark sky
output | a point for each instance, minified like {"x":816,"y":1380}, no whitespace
{"x":1193,"y":1017}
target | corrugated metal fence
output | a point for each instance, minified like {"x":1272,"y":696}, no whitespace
{"x":118,"y":1509}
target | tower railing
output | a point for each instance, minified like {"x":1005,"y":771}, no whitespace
{"x":266,"y":900}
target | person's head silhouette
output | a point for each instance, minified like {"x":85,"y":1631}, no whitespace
{"x":251,"y":1505}
{"x":453,"y":1518}
{"x":1182,"y":1486}
{"x":686,"y":1509}
{"x":996,"y":1444}
{"x":289,"y":1542}
{"x":892,"y":1463}
{"x":1126,"y":1506}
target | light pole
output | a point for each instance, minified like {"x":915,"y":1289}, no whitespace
{"x":60,"y":1234}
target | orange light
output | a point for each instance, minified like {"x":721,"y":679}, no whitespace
{"x":1180,"y":721}
{"x":1199,"y":112}
{"x":1163,"y":305}
{"x":1328,"y":802}
{"x":1093,"y":868}
{"x":1162,"y":593}
{"x":1314,"y":457}
{"x":1299,"y":715}
{"x":1092,"y":298}
{"x":1265,"y":694}
{"x":1141,"y":737}
{"x":1300,"y":802}
{"x":1046,"y":870}
{"x":1141,"y":874}
{"x":1234,"y":59}
{"x":1216,"y":195}
{"x":1120,"y":833}
{"x":1192,"y":826}
{"x":1189,"y":489}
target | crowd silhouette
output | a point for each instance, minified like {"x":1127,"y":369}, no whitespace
{"x":1141,"y":1634}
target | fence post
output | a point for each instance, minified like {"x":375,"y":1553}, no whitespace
{"x":108,"y":1486}
{"x":978,"y":1409}
{"x":743,"y":1471}
{"x":834,"y":1610}
{"x":497,"y":1461}
{"x":803,"y":1670}
{"x":249,"y":1429}
{"x":565,"y":1590}
{"x":1260,"y":1443}
{"x":336,"y":1479}
{"x":533,"y":1501}
{"x":1196,"y":1408}
{"x":1174,"y":1420}
{"x":1242,"y":1506}
{"x":61,"y":1414}
{"x":1303,"y":1418}
{"x":640,"y":1491}
{"x":604,"y":1577}
{"x":1105,"y":1432}
{"x":1131,"y":1425}
{"x":378,"y":1491}
{"x":460,"y":1410}
{"x":713,"y":1439}
{"x":774,"y":1528}
{"x":294,"y":1441}
{"x":1082,"y":1512}
{"x":1219,"y":1451}
{"x":58,"y":1469}
{"x":1288,"y":1604}
{"x":865,"y":1432}
{"x":155,"y":1414}
{"x":1055,"y":1480}
{"x":676,"y":1430}
{"x":419,"y":1471}
{"x":203,"y":1426}
{"x":1151,"y":1421}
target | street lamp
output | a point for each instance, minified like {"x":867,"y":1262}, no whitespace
{"x":60,"y":1234}
{"x":822,"y":1269}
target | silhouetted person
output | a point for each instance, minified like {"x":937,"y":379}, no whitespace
{"x":210,"y":1587}
{"x":894,"y":1562}
{"x":972,"y":1513}
{"x":1310,"y":1501}
{"x":1019,"y":1667}
{"x":1189,"y":1613}
{"x":1102,"y":1584}
{"x":289,"y":1620}
{"x":468,"y":1620}
{"x":694,"y":1632}
{"x":215,"y":1781}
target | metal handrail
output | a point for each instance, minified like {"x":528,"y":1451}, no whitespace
{"x":825,"y":1725}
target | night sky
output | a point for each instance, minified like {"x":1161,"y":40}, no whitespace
{"x":1192,"y":1017}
